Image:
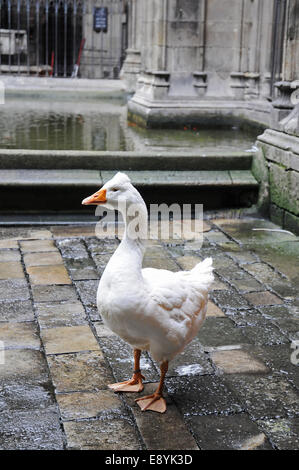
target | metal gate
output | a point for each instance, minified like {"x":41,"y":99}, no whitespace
{"x":49,"y":37}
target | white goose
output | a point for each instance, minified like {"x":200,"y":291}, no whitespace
{"x":152,"y":309}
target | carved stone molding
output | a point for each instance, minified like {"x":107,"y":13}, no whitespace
{"x":153,"y":85}
{"x":284,"y":93}
{"x":238,"y":84}
{"x":290,"y":123}
{"x":200,"y":82}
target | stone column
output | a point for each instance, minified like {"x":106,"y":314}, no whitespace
{"x":245,"y":79}
{"x":153,"y":81}
{"x":290,"y":70}
{"x":290,"y":60}
{"x":279,"y":148}
{"x":132,"y":65}
{"x":238,"y":82}
{"x":264,"y":46}
{"x":250,"y":60}
{"x":282,"y":102}
{"x":172,"y":56}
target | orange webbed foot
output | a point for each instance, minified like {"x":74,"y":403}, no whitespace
{"x":154,"y":402}
{"x":133,"y":385}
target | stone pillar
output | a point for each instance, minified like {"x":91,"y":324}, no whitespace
{"x":264,"y":46}
{"x":185,"y":29}
{"x":253,"y":34}
{"x":132,"y":65}
{"x":278,"y":154}
{"x":238,"y":82}
{"x":290,"y":65}
{"x":172,"y":55}
{"x":290,"y":70}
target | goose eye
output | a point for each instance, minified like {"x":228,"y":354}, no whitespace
{"x":114,"y":190}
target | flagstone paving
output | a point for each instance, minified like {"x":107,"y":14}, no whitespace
{"x":236,"y":386}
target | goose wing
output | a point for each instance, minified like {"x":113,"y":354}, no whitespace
{"x":177,"y":303}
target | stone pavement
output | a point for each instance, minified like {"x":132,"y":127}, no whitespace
{"x":234,"y":387}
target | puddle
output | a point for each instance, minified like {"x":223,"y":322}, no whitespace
{"x":191,"y":369}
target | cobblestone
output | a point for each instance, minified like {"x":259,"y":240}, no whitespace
{"x":41,"y":259}
{"x":234,"y":387}
{"x":83,"y":371}
{"x":11,"y":270}
{"x":51,"y":315}
{"x":47,"y":275}
{"x":237,"y":361}
{"x":66,"y":339}
{"x":237,"y":432}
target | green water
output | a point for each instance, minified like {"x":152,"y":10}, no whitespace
{"x":57,"y":125}
{"x":63,"y":125}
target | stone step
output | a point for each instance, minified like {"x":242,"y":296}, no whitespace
{"x":32,"y":190}
{"x":93,"y":160}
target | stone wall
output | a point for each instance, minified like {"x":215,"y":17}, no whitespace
{"x":208,"y":49}
{"x":211,"y":63}
{"x":204,"y":61}
{"x":276,"y":164}
{"x":276,"y":167}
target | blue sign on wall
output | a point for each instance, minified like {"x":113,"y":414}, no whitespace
{"x":100,"y":19}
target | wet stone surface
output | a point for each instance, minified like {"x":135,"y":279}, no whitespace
{"x":220,"y":332}
{"x":103,"y":433}
{"x":31,"y":430}
{"x":203,"y":395}
{"x":14,"y":289}
{"x":17,"y":311}
{"x":236,"y":386}
{"x":265,"y":396}
{"x":54,"y":314}
{"x":236,"y":432}
{"x":87,"y":290}
{"x":120,"y":358}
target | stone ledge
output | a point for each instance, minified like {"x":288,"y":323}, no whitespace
{"x":50,"y":178}
{"x":124,"y":160}
{"x":189,"y":178}
{"x":71,"y":178}
{"x":280,"y":140}
{"x":208,"y":112}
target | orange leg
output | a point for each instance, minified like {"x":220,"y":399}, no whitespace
{"x":135,"y":383}
{"x":155,"y":402}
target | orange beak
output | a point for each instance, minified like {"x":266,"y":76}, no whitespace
{"x":96,"y":198}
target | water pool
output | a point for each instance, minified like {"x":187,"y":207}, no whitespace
{"x":62,"y":125}
{"x":41,"y":124}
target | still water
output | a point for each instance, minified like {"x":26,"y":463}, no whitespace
{"x":102,"y":125}
{"x":62,"y":125}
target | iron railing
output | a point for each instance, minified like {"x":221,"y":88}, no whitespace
{"x":44,"y":37}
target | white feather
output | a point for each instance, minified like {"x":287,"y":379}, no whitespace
{"x":152,"y":309}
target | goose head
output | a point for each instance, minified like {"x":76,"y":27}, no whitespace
{"x":117,"y":194}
